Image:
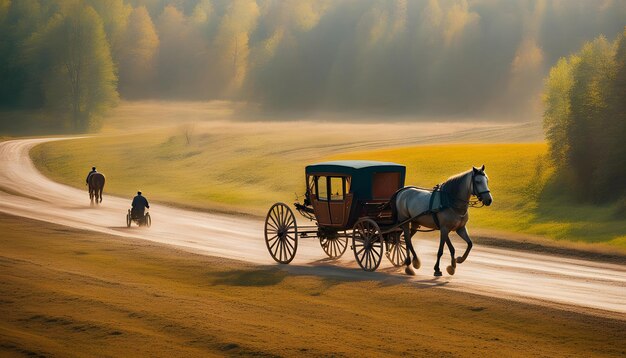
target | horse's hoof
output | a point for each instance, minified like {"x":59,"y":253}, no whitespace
{"x":416,"y":263}
{"x":450,"y":270}
{"x":409,"y":271}
{"x":459,"y":260}
{"x":438,"y":274}
{"x":407,"y":261}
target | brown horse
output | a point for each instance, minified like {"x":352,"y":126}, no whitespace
{"x":457,"y":191}
{"x":96,"y":185}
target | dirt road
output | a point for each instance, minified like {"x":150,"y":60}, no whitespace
{"x":571,"y":283}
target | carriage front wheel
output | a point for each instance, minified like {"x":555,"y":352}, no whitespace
{"x":128,"y":219}
{"x":147,"y":221}
{"x":367,"y":243}
{"x":281,"y":233}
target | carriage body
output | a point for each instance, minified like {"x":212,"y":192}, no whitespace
{"x":341,"y":192}
{"x":345,"y":200}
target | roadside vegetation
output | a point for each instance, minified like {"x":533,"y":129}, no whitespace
{"x":585,"y":121}
{"x":70,"y":292}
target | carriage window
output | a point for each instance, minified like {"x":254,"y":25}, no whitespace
{"x":321,"y":188}
{"x":311,"y":184}
{"x":337,"y":188}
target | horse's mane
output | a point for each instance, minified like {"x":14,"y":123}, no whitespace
{"x":454,"y":184}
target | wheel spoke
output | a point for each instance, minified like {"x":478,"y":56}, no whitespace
{"x":288,"y":242}
{"x":274,"y":245}
{"x":359,"y":252}
{"x":290,"y":221}
{"x":270,"y":225}
{"x":377,"y":253}
{"x":275,"y":223}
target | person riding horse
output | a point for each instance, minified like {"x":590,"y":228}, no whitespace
{"x":139,"y":205}
{"x":93,"y":171}
{"x":95,"y":182}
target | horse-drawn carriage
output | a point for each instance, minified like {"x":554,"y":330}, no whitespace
{"x":347,"y":200}
{"x":366,"y":202}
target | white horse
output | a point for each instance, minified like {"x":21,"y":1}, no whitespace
{"x":455,"y":194}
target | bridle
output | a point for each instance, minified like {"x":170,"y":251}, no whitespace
{"x":478,"y":203}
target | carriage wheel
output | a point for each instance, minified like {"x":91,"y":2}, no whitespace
{"x":281,"y":233}
{"x":334,"y":246}
{"x":396,"y":248}
{"x":128,"y":219}
{"x":147,"y":221}
{"x":367,"y":243}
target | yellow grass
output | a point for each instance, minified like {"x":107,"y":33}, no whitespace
{"x":520,"y":179}
{"x":65,"y":292}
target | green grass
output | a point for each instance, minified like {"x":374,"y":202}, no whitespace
{"x":244,"y":167}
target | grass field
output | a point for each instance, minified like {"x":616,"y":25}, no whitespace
{"x":245,"y":167}
{"x":523,"y":187}
{"x":65,"y":292}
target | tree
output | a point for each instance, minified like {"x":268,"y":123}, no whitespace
{"x":585,"y":119}
{"x":586,"y":130}
{"x":558,"y":88}
{"x":115,"y":15}
{"x":138,"y":54}
{"x":19,"y":20}
{"x":78,"y":75}
{"x":178,"y":54}
{"x":611,"y":169}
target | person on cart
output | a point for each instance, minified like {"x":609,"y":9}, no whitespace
{"x":139,"y":205}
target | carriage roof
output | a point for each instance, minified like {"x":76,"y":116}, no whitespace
{"x":354,"y":166}
{"x":365,"y":184}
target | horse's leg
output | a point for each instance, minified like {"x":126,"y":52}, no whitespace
{"x":100,"y":193}
{"x":409,"y":249}
{"x":465,"y":236}
{"x":442,"y":239}
{"x":416,"y":260}
{"x":452,"y":268}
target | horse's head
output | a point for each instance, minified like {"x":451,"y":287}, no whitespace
{"x":480,"y":186}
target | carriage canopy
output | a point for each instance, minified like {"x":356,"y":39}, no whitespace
{"x":366,"y":179}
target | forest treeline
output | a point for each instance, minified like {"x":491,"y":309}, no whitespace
{"x":585,"y":119}
{"x":455,"y":58}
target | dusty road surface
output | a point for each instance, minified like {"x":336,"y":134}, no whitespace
{"x":570,"y":283}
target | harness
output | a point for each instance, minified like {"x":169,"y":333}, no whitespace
{"x":445,"y":200}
